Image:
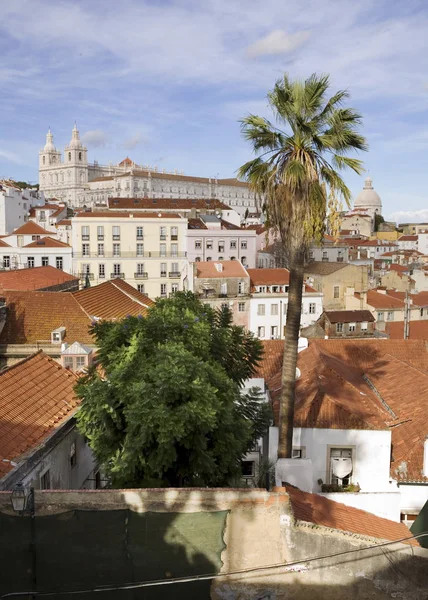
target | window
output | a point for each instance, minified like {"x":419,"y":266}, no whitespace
{"x":174,"y":288}
{"x":233,"y":244}
{"x":140,"y":233}
{"x":174,"y":268}
{"x":85,"y":249}
{"x":163,"y":233}
{"x":20,"y":240}
{"x":6,"y":262}
{"x":45,"y":261}
{"x":116,"y":269}
{"x":243,"y":244}
{"x":44,"y":160}
{"x":100,"y":250}
{"x":223,"y":289}
{"x":140,"y":288}
{"x":162,"y":249}
{"x":163,"y":270}
{"x":85,"y":232}
{"x":101,"y":271}
{"x":389,"y":316}
{"x":261,"y":309}
{"x":140,"y":249}
{"x":221,"y":245}
{"x":241,"y":287}
{"x":312,"y":308}
{"x":174,"y":249}
{"x":260,"y":332}
{"x":163,"y":289}
{"x":68,"y":362}
{"x":45,"y":481}
{"x":208,"y":258}
{"x":274,"y":309}
{"x":380,"y":316}
{"x":248,"y":468}
{"x":100,"y":232}
{"x":209,"y":244}
{"x":30,"y":262}
{"x":174,"y":233}
{"x":341,"y":465}
{"x":274,"y":332}
{"x":140,"y":268}
{"x":116,"y":249}
{"x":422,"y":312}
{"x":59,"y":262}
{"x":339,"y":327}
{"x":42,"y":215}
{"x":336,"y":291}
{"x":298,"y":452}
{"x":35,"y":238}
{"x":351,"y":327}
{"x":198,"y":244}
{"x":241,"y":307}
{"x":311,"y":255}
{"x":116,"y":232}
{"x":69,"y":157}
{"x":364,"y":326}
{"x":244,"y":261}
{"x":325,"y":256}
{"x":198,"y":259}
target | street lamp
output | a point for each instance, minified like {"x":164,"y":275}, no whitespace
{"x":22,"y":501}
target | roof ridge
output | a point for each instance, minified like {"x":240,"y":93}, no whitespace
{"x":20,"y":362}
{"x":128,"y":294}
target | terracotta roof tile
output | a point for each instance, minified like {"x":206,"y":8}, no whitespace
{"x":36,"y":397}
{"x":166,"y":203}
{"x":47,"y":242}
{"x":323,"y":268}
{"x":37,"y":278}
{"x":349,"y":316}
{"x":418,"y":330}
{"x":30,"y":228}
{"x":313,"y":508}
{"x":4,"y":245}
{"x":379,"y":300}
{"x":230,"y":268}
{"x":408,"y":238}
{"x":269,"y":276}
{"x":113,"y":299}
{"x":114,"y":214}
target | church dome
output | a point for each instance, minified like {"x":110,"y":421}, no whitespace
{"x":49,"y":146}
{"x":368,"y":198}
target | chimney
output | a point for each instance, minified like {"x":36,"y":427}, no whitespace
{"x":425,"y":467}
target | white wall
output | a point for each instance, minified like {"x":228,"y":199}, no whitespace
{"x":245,"y":241}
{"x":423,"y":243}
{"x":413,"y":497}
{"x":281,"y":300}
{"x":15,"y":205}
{"x":382,"y":504}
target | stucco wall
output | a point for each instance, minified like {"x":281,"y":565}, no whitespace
{"x":413,"y":497}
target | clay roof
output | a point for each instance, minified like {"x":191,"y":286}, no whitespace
{"x":269,"y":276}
{"x":176,"y":177}
{"x":420,"y":299}
{"x":114,"y":299}
{"x":323,"y":268}
{"x":38,"y":278}
{"x":4,"y":245}
{"x":47,"y":242}
{"x":64,"y":222}
{"x":126,"y":162}
{"x":114,"y":214}
{"x":379,"y":300}
{"x":349,"y":316}
{"x":271,"y":363}
{"x":408,"y":238}
{"x":167,"y":203}
{"x":32,"y":316}
{"x":230,"y":268}
{"x":259,"y":229}
{"x":57,"y":208}
{"x":36,"y":398}
{"x":196,"y":224}
{"x":313,"y":508}
{"x":30,"y":228}
{"x":398,"y":268}
{"x":418,"y":330}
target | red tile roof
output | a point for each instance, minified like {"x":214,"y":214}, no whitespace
{"x":230,"y":268}
{"x":269,"y":276}
{"x":115,"y":214}
{"x":408,"y":238}
{"x":47,"y":242}
{"x":113,"y":299}
{"x":398,"y":268}
{"x":349,"y":316}
{"x":4,"y":245}
{"x":379,"y":300}
{"x":64,"y":222}
{"x":38,"y":278}
{"x":30,"y":228}
{"x":420,"y":299}
{"x":313,"y":508}
{"x":166,"y":203}
{"x":418,"y":330}
{"x":36,"y":398}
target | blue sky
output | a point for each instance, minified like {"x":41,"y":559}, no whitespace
{"x":166,"y":82}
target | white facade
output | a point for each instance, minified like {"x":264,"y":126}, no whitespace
{"x":423,"y":243}
{"x":72,"y":179}
{"x":216,"y":243}
{"x":407,"y":244}
{"x":22,"y":257}
{"x":148,"y":250}
{"x":268,"y":312}
{"x":15,"y":205}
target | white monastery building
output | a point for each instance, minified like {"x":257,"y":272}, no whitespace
{"x":72,"y":179}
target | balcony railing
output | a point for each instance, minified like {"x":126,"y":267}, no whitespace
{"x":175,"y":274}
{"x":126,"y":254}
{"x":141,"y":275}
{"x":174,"y":237}
{"x":117,"y":275}
{"x":162,"y":237}
{"x":163,"y":274}
{"x":86,"y":275}
{"x":85,"y":238}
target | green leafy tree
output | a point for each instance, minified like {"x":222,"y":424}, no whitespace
{"x":297,"y":172}
{"x":168,"y":408}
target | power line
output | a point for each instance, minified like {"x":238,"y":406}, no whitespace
{"x":208,"y":576}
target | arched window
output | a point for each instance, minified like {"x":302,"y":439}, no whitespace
{"x":44,"y":160}
{"x":69,"y":157}
{"x":198,"y":259}
{"x":80,"y":156}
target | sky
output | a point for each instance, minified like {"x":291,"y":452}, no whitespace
{"x":167,"y":82}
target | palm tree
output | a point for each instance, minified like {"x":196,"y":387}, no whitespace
{"x":297,"y":173}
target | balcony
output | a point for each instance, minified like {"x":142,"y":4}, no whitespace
{"x":163,"y":274}
{"x":100,"y":238}
{"x":117,"y":275}
{"x":141,"y":275}
{"x":140,"y":238}
{"x":174,"y":237}
{"x":85,"y":238}
{"x":116,"y":238}
{"x":129,"y":254}
{"x":86,"y":275}
{"x":162,"y":237}
{"x":175,"y":274}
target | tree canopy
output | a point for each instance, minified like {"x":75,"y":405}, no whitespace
{"x":165,"y":406}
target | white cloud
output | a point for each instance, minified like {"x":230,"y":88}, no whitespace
{"x":11,"y":157}
{"x":278,"y":42}
{"x":133,"y":141}
{"x":96,"y":138}
{"x":410,"y":216}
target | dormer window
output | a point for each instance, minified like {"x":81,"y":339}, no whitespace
{"x":58,"y":335}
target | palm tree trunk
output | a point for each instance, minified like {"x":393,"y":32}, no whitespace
{"x":294,"y":310}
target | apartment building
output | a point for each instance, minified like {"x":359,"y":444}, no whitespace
{"x":334,"y":280}
{"x":16,"y":204}
{"x":269,"y":301}
{"x":148,"y":250}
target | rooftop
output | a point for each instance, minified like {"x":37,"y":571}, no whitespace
{"x":47,"y":242}
{"x":418,"y":330}
{"x":30,"y":228}
{"x":269,"y":276}
{"x":219,"y":269}
{"x":167,"y":203}
{"x":380,"y":300}
{"x":37,"y":278}
{"x":313,"y":508}
{"x":324,"y":268}
{"x":36,"y":397}
{"x":115,"y":214}
{"x":349,"y":316}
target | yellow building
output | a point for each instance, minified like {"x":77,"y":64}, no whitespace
{"x":148,"y":250}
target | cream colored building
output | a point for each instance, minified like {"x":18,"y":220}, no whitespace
{"x":148,"y":250}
